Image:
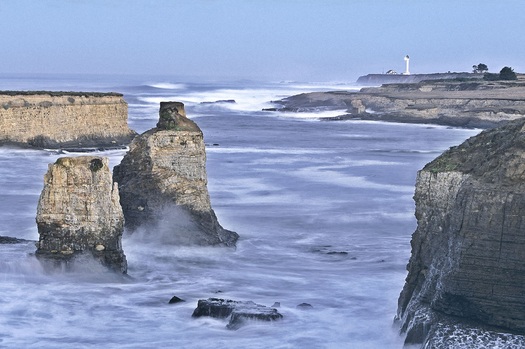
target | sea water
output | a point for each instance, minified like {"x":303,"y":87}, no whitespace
{"x":324,"y":211}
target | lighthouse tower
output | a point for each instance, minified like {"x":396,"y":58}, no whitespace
{"x":407,"y":61}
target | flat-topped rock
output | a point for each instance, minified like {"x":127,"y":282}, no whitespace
{"x":239,"y":313}
{"x":49,"y":119}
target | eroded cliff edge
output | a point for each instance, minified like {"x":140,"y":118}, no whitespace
{"x":46,"y":119}
{"x":467,"y":268}
{"x":475,"y":103}
{"x":163,"y":183}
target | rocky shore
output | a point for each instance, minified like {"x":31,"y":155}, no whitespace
{"x":462,"y":102}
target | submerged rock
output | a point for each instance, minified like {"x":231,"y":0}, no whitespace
{"x":467,"y":268}
{"x":240,"y":313}
{"x":163,"y":184}
{"x":79,"y":214}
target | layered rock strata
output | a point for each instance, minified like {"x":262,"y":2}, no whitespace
{"x":467,"y":269}
{"x":468,"y":104}
{"x":64,"y":119}
{"x":79,"y":214}
{"x":163,"y":183}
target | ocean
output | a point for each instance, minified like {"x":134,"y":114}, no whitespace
{"x":324,"y":211}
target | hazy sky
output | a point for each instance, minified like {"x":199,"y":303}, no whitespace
{"x":307,"y":40}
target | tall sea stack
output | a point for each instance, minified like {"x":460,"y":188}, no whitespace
{"x":466,"y":280}
{"x":163,"y":184}
{"x":79,"y":214}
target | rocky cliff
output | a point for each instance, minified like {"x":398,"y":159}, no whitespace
{"x":380,"y":79}
{"x":63,"y":119}
{"x":466,"y":274}
{"x":79,"y":214}
{"x":163,"y":183}
{"x":456,"y":103}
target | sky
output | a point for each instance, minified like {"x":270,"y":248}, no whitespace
{"x":300,"y":40}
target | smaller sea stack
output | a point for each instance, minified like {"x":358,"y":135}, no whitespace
{"x":79,"y":214}
{"x":163,"y":184}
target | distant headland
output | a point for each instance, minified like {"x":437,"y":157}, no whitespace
{"x":392,"y":78}
{"x":454,"y":99}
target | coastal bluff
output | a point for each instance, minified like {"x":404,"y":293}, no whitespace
{"x":163,"y":184}
{"x":470,"y":103}
{"x":381,"y":79}
{"x":46,"y":119}
{"x":466,"y":275}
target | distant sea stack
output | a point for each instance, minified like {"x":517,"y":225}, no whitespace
{"x":79,"y":214}
{"x":45,"y":119}
{"x":163,"y":184}
{"x":467,"y":269}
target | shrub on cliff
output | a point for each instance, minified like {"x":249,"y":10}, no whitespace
{"x":507,"y":73}
{"x":480,"y":68}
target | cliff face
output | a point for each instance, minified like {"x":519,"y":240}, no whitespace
{"x":79,"y":212}
{"x":64,"y":119}
{"x":163,"y":184}
{"x":468,"y":252}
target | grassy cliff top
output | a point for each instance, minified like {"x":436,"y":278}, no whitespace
{"x":495,"y":155}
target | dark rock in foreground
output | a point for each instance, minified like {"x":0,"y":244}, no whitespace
{"x":79,"y":214}
{"x":467,"y":268}
{"x":240,"y":313}
{"x":163,"y":184}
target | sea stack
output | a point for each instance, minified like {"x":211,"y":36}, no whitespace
{"x":163,"y":184}
{"x":466,"y":275}
{"x":79,"y":214}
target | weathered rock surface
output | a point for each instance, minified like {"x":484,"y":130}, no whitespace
{"x":47,"y":119}
{"x":79,"y":214}
{"x":163,"y":183}
{"x":467,"y":268}
{"x":239,"y":313}
{"x":457,"y":103}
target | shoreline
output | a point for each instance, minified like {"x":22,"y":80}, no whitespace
{"x":457,"y":103}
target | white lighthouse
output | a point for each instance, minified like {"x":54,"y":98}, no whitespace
{"x":407,"y":61}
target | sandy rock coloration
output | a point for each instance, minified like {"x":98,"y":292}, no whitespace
{"x":79,"y":214}
{"x":163,"y":184}
{"x":46,"y":119}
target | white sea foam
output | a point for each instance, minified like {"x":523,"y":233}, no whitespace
{"x":168,"y":86}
